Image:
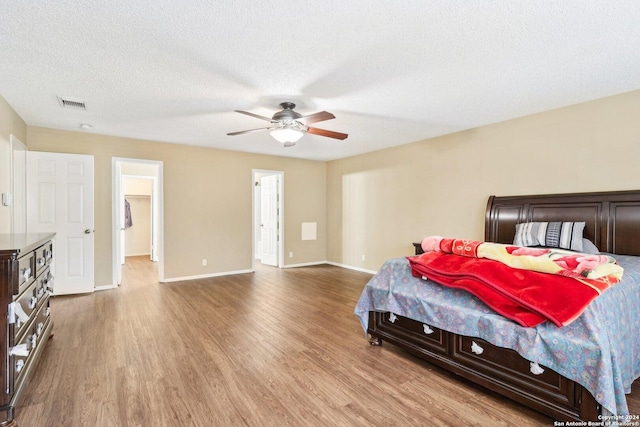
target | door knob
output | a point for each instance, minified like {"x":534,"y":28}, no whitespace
{"x":87,"y":231}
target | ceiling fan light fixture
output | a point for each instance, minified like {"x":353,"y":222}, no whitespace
{"x":288,"y":126}
{"x":287,"y":134}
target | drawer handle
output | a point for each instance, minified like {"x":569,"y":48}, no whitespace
{"x":39,"y":328}
{"x":15,"y":310}
{"x":26,"y":273}
{"x":41,"y":262}
{"x":33,"y":340}
{"x":427,"y":329}
{"x":47,"y":311}
{"x":475,"y":348}
{"x":19,"y":365}
{"x":392,"y":318}
{"x":535,"y":368}
{"x":47,"y":254}
{"x":19,"y":350}
{"x":33,"y":301}
{"x":44,"y":284}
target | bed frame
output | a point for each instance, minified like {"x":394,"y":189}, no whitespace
{"x":612,"y":223}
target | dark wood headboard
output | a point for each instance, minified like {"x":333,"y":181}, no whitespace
{"x":612,"y":218}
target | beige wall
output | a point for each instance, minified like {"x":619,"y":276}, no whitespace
{"x":137,"y":238}
{"x":207,"y":201}
{"x":382,"y":201}
{"x":375,"y":204}
{"x":10,"y":123}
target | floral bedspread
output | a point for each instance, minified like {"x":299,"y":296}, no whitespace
{"x":527,"y":285}
{"x":600,"y":350}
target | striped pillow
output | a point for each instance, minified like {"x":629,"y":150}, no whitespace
{"x":565,"y":235}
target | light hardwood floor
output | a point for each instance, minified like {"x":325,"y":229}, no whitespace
{"x":270,"y":348}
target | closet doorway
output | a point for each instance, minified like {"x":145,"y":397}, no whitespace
{"x":268,"y":217}
{"x":138,"y":240}
{"x":137,"y":213}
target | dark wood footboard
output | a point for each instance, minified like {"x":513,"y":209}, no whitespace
{"x":499,"y":369}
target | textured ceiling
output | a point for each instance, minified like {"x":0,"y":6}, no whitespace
{"x":392,"y":72}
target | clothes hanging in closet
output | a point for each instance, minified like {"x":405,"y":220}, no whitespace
{"x":128,"y":222}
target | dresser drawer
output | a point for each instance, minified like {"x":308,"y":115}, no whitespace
{"x":28,"y":300}
{"x":42,"y":317}
{"x":44,"y":256}
{"x":511,"y":368}
{"x":22,"y":352}
{"x":26,"y":272}
{"x":42,"y":283}
{"x":29,"y":342}
{"x":413,"y":331}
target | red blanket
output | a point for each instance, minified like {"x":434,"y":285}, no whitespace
{"x":525,"y":296}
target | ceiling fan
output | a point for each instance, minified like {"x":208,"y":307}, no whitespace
{"x":288,"y":126}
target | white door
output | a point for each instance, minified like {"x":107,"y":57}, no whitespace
{"x":60,"y":200}
{"x":269,"y":219}
{"x":119,"y":196}
{"x":19,"y":185}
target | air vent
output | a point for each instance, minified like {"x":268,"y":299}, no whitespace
{"x":76,"y":104}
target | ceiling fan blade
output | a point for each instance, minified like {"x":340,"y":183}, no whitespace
{"x":327,"y":133}
{"x":316,"y":117}
{"x":257,"y":116}
{"x":250,"y":130}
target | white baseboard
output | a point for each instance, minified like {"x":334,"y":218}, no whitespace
{"x":307,"y":264}
{"x":205,"y":276}
{"x":228,"y":273}
{"x":304,"y":264}
{"x":350,"y":267}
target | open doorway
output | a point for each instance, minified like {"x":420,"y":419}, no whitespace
{"x":138,"y":204}
{"x":268,"y":218}
{"x":137,"y":213}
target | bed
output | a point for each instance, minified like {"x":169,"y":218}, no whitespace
{"x":581,"y":371}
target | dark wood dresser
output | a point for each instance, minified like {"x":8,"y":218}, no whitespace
{"x":25,"y":282}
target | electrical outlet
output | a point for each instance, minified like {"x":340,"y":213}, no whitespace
{"x":204,"y":262}
{"x":290,"y":254}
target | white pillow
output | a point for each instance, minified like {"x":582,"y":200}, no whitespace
{"x":565,"y":235}
{"x":589,"y":248}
